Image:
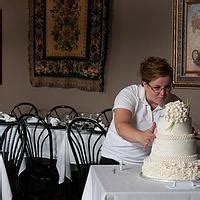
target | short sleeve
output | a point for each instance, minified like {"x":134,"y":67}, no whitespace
{"x":127,"y":98}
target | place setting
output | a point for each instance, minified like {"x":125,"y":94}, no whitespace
{"x":4,"y":117}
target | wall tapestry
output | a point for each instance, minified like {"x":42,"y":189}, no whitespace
{"x":67,"y":43}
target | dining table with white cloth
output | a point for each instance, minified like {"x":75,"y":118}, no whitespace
{"x":63,"y":153}
{"x":6,"y":193}
{"x":110,"y":182}
{"x":60,"y":147}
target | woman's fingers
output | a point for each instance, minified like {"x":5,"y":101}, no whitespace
{"x":152,"y":127}
{"x":149,"y":137}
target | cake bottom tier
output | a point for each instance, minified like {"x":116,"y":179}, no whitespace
{"x":174,"y":170}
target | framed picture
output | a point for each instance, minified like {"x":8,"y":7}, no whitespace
{"x":186,"y":43}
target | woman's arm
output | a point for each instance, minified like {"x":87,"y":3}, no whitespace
{"x":125,"y":129}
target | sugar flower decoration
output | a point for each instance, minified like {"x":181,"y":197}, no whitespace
{"x":177,"y":112}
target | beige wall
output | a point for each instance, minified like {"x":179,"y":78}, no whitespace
{"x":139,"y":28}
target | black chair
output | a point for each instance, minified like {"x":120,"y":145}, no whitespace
{"x":85,"y":138}
{"x":13,"y":149}
{"x":23,"y":108}
{"x":62,"y":112}
{"x":105,"y":117}
{"x":40,"y":162}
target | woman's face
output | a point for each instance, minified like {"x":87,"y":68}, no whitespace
{"x":157,"y":90}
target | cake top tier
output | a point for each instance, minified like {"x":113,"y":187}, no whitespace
{"x":176,"y":112}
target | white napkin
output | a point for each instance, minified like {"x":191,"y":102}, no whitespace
{"x":102,"y":124}
{"x":6,"y":117}
{"x":10,"y":119}
{"x":54,"y":121}
{"x":32,"y":120}
{"x":97,"y":128}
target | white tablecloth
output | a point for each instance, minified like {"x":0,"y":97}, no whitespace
{"x":107,"y":182}
{"x":2,"y":128}
{"x":5,"y":185}
{"x":62,"y":150}
{"x":64,"y":153}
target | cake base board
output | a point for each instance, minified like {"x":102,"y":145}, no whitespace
{"x":168,"y":181}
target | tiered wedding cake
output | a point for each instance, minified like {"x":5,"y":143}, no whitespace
{"x":174,"y":151}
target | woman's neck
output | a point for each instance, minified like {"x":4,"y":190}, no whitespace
{"x":152,"y":104}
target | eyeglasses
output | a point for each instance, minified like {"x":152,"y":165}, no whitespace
{"x":158,"y":89}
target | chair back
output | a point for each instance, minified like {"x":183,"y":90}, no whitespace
{"x":105,"y":117}
{"x":62,"y":112}
{"x":13,"y":149}
{"x":23,"y":108}
{"x":39,"y":143}
{"x":85,"y":138}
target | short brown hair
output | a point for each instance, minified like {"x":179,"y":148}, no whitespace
{"x":154,"y":67}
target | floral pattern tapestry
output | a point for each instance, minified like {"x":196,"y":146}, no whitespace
{"x":67,"y":43}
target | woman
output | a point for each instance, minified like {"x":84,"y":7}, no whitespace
{"x":136,"y":110}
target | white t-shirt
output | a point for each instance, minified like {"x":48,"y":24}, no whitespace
{"x":133,"y":99}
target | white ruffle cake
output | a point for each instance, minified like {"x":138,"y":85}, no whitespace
{"x":174,"y":150}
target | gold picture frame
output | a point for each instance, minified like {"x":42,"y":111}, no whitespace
{"x":186,"y":43}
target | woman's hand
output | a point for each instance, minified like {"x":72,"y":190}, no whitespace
{"x":123,"y":123}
